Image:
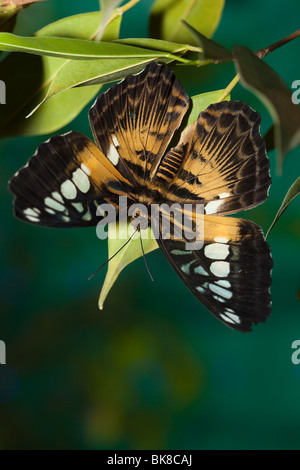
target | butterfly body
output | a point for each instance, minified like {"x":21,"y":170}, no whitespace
{"x":218,"y":168}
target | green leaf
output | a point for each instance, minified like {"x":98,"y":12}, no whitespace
{"x":83,"y":26}
{"x":88,"y":72}
{"x":159,"y":45}
{"x":26,"y":90}
{"x":211,"y":50}
{"x":167,"y":16}
{"x":260,"y":78}
{"x":201,"y":102}
{"x":91,"y":72}
{"x":293,"y":192}
{"x":127,"y":255}
{"x":69,"y":48}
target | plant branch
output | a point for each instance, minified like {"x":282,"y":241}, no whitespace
{"x":261,"y":53}
{"x":119,"y":12}
{"x":267,"y":50}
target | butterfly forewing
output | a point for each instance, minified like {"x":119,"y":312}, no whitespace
{"x":223,"y":161}
{"x":134,"y":121}
{"x":64,"y":182}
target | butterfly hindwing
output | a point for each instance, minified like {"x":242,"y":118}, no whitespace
{"x":64,"y":182}
{"x":134,"y":121}
{"x":221,"y":161}
{"x":231,"y":274}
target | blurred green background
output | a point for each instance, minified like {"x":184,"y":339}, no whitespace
{"x":154,"y":369}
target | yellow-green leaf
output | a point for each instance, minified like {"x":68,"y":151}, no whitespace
{"x":40,"y":72}
{"x":127,"y":255}
{"x":167,"y":15}
{"x":90,"y":72}
{"x":201,"y":102}
{"x":73,"y":48}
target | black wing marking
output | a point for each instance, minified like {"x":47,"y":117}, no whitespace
{"x":231,"y":274}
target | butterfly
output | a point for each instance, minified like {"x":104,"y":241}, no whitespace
{"x":220,"y":162}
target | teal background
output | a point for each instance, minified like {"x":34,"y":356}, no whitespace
{"x":153,"y":370}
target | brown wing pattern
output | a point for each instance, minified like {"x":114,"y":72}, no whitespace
{"x":134,"y":121}
{"x":223,"y":161}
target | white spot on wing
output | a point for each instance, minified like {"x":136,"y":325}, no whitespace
{"x":68,"y":189}
{"x":81,"y":180}
{"x":200,"y":289}
{"x":221,"y":240}
{"x":234,"y":317}
{"x":213,"y":206}
{"x":33,"y":219}
{"x":216,"y":251}
{"x":219,"y":299}
{"x":228,"y":320}
{"x":229,"y":310}
{"x":115,"y":141}
{"x":50,"y":211}
{"x":87,"y":216}
{"x":200,"y":270}
{"x":220,"y":268}
{"x":85,"y":169}
{"x":223,"y":283}
{"x":31,"y":212}
{"x":220,"y":291}
{"x":78,"y":206}
{"x":54,"y":204}
{"x":57,"y":196}
{"x":113,"y":155}
{"x":186,"y":267}
{"x":179,"y":252}
{"x":231,"y":317}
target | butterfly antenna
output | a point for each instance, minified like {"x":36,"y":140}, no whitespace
{"x":144,"y":255}
{"x":106,"y":262}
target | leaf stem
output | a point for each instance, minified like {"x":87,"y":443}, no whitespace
{"x":181,"y":59}
{"x":229,"y":88}
{"x":261,"y":53}
{"x":119,"y":12}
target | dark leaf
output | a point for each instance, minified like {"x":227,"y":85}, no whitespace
{"x":260,"y":78}
{"x":293,"y":192}
{"x":211,"y":49}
